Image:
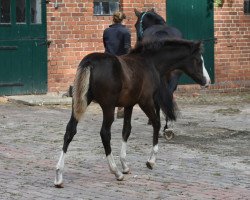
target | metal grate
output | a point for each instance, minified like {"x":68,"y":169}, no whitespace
{"x":247,"y":6}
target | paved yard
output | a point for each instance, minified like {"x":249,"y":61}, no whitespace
{"x":209,"y":158}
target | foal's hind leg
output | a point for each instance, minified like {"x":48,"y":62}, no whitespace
{"x":70,"y":132}
{"x":125,"y":135}
{"x":151,"y":114}
{"x":108,"y":118}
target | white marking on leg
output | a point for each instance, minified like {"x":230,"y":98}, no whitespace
{"x":60,"y":164}
{"x":59,"y":170}
{"x":152,"y":157}
{"x":205,"y":73}
{"x":113,"y":168}
{"x":123,"y":157}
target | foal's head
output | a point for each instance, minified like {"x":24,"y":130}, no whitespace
{"x":194,"y":65}
{"x":145,"y":20}
{"x":171,"y":54}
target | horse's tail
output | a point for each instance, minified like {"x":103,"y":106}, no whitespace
{"x":166,"y":101}
{"x":81,"y":89}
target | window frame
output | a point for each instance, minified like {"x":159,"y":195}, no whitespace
{"x":10,"y":17}
{"x":101,"y":13}
{"x":246,"y":7}
{"x":25,"y":17}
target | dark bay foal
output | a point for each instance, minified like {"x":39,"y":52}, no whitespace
{"x":125,"y":81}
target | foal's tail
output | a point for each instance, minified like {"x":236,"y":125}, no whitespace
{"x":80,"y":90}
{"x":166,"y":101}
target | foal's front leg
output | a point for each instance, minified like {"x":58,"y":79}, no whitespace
{"x":108,"y":118}
{"x":125,"y":135}
{"x":151,"y":114}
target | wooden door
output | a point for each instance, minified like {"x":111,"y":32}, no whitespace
{"x":195,"y":19}
{"x":23,"y":47}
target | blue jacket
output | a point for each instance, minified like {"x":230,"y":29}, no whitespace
{"x":117,"y":39}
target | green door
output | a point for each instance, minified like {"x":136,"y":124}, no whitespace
{"x":195,"y":19}
{"x":23,"y":47}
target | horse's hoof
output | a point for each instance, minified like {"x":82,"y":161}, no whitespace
{"x":150,"y":165}
{"x":59,"y":185}
{"x":119,"y":176}
{"x":59,"y":179}
{"x":168,"y":134}
{"x":126,"y":171}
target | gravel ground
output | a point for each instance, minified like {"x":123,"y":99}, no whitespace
{"x":209,"y":157}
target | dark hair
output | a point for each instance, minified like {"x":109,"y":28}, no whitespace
{"x":118,"y":17}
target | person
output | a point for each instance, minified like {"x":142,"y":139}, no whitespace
{"x":117,"y":37}
{"x":117,"y":41}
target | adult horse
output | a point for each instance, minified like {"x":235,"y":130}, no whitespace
{"x":151,"y":26}
{"x":132,"y":79}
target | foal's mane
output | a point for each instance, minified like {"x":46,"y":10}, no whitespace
{"x":156,"y":45}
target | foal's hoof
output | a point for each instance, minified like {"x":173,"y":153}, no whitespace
{"x":59,"y":185}
{"x":58,"y":180}
{"x":150,"y":165}
{"x":126,"y":171}
{"x":168,"y":134}
{"x":119,"y":176}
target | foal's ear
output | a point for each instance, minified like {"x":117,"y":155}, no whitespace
{"x":197,"y":46}
{"x":137,"y":13}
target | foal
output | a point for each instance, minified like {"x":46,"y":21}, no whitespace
{"x":134,"y":78}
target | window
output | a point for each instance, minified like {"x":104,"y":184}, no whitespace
{"x":247,"y":6}
{"x":5,"y":12}
{"x":20,"y":11}
{"x":105,"y":7}
{"x":36,"y":11}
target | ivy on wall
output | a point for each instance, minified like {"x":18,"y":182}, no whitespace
{"x":218,"y":3}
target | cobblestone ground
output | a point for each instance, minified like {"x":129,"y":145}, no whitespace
{"x":209,"y":158}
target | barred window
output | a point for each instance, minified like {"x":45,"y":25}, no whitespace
{"x":20,"y":11}
{"x":247,"y":6}
{"x":5,"y":11}
{"x":105,"y":7}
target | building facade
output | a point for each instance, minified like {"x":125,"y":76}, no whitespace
{"x":74,"y":29}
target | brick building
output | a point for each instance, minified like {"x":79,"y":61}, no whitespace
{"x":75,"y":31}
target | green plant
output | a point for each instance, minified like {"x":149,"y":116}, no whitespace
{"x":218,"y":3}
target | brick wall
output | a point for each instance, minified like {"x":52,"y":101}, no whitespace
{"x":232,"y":52}
{"x":75,"y":32}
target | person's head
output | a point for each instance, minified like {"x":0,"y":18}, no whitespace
{"x":118,"y":17}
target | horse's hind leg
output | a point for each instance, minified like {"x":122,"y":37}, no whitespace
{"x":70,"y":132}
{"x":108,"y":118}
{"x":125,"y":135}
{"x":168,"y":133}
{"x":171,"y":87}
{"x":151,"y":114}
